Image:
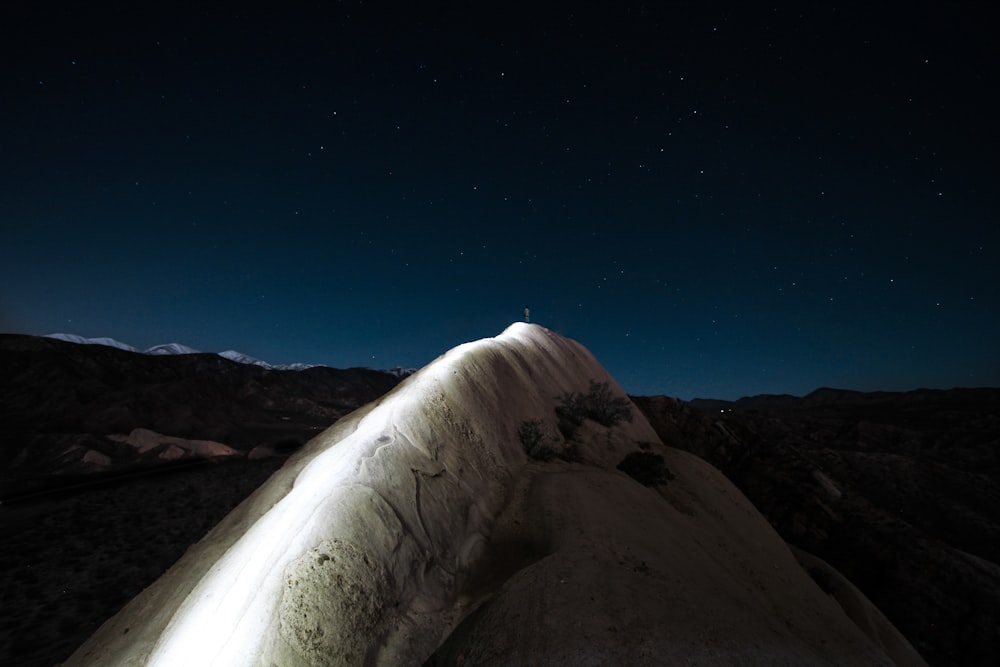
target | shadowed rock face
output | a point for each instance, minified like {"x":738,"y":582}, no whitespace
{"x":59,"y":401}
{"x":417,"y":528}
{"x":899,"y":492}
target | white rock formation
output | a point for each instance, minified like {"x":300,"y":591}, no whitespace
{"x":144,"y":439}
{"x":384,"y":533}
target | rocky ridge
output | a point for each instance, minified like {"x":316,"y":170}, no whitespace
{"x":898,"y":491}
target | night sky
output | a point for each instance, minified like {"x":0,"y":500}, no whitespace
{"x":717,"y":199}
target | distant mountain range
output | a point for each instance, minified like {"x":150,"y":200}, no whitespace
{"x":831,"y":397}
{"x":178,"y":348}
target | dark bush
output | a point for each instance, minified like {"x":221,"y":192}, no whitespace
{"x":647,"y":468}
{"x":568,"y":422}
{"x":541,"y":448}
{"x":533,"y":439}
{"x":571,"y":453}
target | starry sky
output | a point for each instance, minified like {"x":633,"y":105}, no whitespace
{"x":717,"y":199}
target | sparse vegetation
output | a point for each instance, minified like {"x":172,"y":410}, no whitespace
{"x":568,"y":422}
{"x":542,"y":448}
{"x":571,"y":452}
{"x":645,"y":467}
{"x":533,"y":438}
{"x":599,"y":404}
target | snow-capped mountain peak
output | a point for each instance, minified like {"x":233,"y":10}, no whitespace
{"x":171,"y":348}
{"x":109,"y":342}
{"x":241,"y":358}
{"x":177,"y":348}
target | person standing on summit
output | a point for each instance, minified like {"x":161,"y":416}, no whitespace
{"x":527,"y":314}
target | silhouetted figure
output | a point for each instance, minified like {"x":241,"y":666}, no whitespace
{"x":527,"y":314}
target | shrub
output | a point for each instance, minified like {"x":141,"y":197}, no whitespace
{"x":541,"y":448}
{"x":598,"y":404}
{"x":647,"y":468}
{"x":569,"y":418}
{"x":571,"y":453}
{"x":533,"y":439}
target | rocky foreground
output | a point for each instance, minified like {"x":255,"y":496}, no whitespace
{"x":69,"y":561}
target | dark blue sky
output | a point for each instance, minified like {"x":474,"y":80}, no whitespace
{"x":718,"y":200}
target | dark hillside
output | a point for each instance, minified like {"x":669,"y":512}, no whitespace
{"x":898,"y":491}
{"x":60,"y":400}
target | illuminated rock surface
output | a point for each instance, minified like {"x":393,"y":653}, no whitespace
{"x":417,"y":528}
